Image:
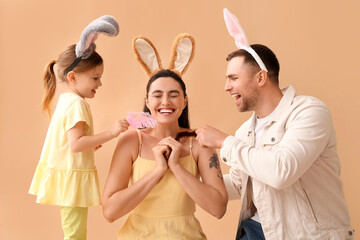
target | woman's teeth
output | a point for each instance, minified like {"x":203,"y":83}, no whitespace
{"x":166,"y":110}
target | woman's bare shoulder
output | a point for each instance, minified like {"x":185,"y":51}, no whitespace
{"x":199,"y":150}
{"x":129,"y":135}
{"x":128,"y":140}
{"x":127,"y":145}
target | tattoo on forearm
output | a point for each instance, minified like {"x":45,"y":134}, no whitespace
{"x":214,"y":162}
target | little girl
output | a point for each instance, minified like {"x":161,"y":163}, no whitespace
{"x":66,"y":175}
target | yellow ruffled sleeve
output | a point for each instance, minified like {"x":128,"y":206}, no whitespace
{"x":77,"y":112}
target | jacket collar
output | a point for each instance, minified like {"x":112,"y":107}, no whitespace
{"x":287,"y":99}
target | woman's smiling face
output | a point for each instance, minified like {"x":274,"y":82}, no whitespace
{"x":166,"y":100}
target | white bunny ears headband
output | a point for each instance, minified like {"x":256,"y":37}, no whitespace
{"x":86,"y":46}
{"x":236,"y":31}
{"x":182,"y":53}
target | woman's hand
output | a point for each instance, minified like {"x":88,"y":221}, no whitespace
{"x":175,"y":148}
{"x":160,"y":151}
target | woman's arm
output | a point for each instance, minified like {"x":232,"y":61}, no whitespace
{"x":80,"y":142}
{"x":210,"y":194}
{"x":119,"y":199}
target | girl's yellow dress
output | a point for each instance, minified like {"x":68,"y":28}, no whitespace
{"x":62,"y":177}
{"x":167,"y":212}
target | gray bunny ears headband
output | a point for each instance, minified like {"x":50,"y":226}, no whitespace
{"x":182,"y":53}
{"x":86,"y":46}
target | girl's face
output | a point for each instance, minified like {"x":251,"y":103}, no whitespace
{"x":166,"y":100}
{"x":87,"y":82}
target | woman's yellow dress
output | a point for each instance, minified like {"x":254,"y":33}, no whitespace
{"x":167,"y":212}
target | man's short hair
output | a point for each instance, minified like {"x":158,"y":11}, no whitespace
{"x":267,"y":56}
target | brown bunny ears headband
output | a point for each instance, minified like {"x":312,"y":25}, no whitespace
{"x":182,"y":53}
{"x":86,"y":46}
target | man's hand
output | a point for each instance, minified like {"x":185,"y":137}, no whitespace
{"x":210,"y":137}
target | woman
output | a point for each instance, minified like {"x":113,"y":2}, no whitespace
{"x":163,"y":172}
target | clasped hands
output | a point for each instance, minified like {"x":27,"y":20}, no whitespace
{"x":167,"y":153}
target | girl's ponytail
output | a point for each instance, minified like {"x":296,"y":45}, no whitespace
{"x":65,"y":59}
{"x":49,"y":81}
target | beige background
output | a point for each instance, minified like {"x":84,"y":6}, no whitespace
{"x":317,"y":43}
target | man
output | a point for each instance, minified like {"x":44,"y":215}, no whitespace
{"x":284,"y":162}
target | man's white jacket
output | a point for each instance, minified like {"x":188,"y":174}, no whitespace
{"x":293,"y":173}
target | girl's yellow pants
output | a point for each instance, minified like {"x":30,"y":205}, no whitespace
{"x":74,"y":222}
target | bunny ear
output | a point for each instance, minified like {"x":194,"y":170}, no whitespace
{"x":235,"y":29}
{"x":105,"y":24}
{"x":182,"y":52}
{"x":86,"y":46}
{"x":147,"y":55}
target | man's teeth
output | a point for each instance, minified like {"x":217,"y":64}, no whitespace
{"x":236,"y":95}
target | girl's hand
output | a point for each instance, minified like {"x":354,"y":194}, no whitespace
{"x":175,"y":146}
{"x":118,"y":127}
{"x":160,"y":151}
{"x":96,"y":148}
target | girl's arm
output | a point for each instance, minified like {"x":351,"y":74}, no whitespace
{"x":80,"y":142}
{"x":210,"y":194}
{"x":119,"y":199}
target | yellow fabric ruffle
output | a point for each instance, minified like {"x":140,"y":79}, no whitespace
{"x":66,"y":187}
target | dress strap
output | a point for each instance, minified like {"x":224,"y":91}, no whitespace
{"x":140,"y":141}
{"x":191,"y":146}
